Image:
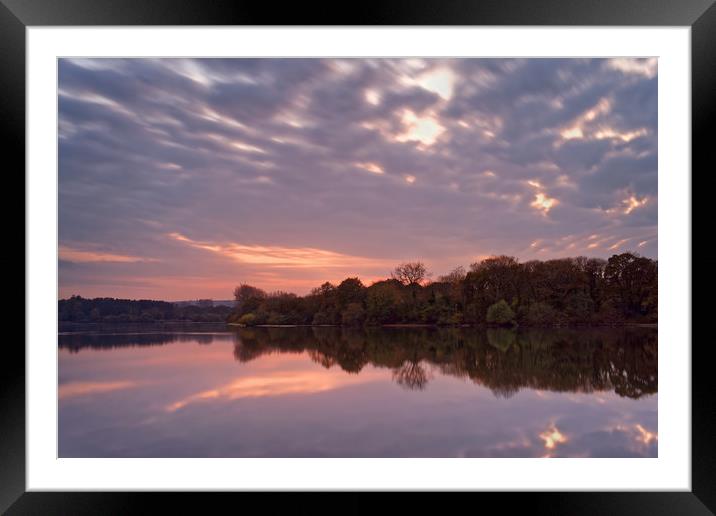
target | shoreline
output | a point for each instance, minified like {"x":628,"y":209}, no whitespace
{"x":428,"y":325}
{"x":390,"y":325}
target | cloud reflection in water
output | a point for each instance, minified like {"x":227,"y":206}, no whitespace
{"x":379,"y":393}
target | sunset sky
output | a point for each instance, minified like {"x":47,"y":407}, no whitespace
{"x":181,"y":178}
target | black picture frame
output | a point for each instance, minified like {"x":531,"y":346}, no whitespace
{"x":700,"y":15}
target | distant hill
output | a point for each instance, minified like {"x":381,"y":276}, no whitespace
{"x":206,"y":302}
{"x":107,"y":309}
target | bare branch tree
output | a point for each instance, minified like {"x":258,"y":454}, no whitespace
{"x":454,"y":277}
{"x":410,"y":273}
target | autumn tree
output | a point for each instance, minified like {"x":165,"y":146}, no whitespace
{"x":500,"y":313}
{"x":350,"y":290}
{"x":353,"y":315}
{"x":631,"y":282}
{"x":248,"y":298}
{"x":383,"y":301}
{"x":410,"y":273}
{"x":454,"y":277}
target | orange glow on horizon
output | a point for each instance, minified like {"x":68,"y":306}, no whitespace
{"x":182,"y":288}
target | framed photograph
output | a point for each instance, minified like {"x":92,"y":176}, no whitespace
{"x":424,"y":248}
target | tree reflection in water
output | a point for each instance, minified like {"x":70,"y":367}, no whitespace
{"x":411,"y":375}
{"x":623,"y":360}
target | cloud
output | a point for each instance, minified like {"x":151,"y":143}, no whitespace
{"x":69,"y":254}
{"x":645,"y":67}
{"x":277,"y":256}
{"x":364,"y":158}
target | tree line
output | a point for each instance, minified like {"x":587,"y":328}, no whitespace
{"x":111,"y":310}
{"x":495,"y":291}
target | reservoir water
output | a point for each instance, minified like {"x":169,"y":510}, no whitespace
{"x":338,"y":392}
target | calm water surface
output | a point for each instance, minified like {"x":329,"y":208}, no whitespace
{"x":331,"y":392}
